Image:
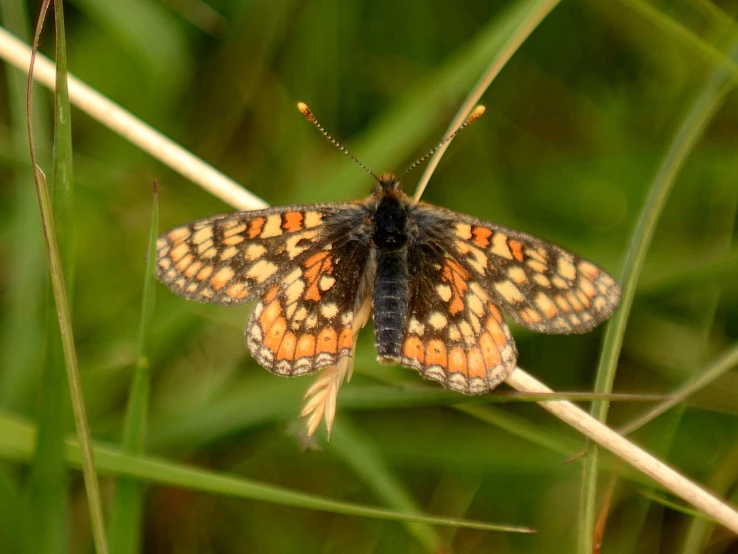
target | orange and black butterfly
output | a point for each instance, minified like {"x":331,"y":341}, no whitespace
{"x":436,"y":281}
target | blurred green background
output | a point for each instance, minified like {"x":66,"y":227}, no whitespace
{"x":576,"y":127}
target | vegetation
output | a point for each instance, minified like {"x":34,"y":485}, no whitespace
{"x":611,"y":130}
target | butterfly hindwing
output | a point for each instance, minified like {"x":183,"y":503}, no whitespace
{"x":307,"y":319}
{"x":454,"y":333}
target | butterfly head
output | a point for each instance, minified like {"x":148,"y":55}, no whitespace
{"x":387,"y":184}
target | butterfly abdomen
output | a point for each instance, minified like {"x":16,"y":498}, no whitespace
{"x":390,"y":302}
{"x":391,"y":288}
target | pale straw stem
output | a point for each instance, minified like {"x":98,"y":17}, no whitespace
{"x":17,"y":53}
{"x":670,"y":479}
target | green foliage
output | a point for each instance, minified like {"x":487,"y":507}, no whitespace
{"x":577,"y":125}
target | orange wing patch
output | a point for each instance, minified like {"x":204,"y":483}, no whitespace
{"x":316,"y":266}
{"x":255,"y":227}
{"x":292,"y":222}
{"x":456,"y":277}
{"x":481,"y":236}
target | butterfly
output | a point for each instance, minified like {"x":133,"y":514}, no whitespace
{"x":436,"y":282}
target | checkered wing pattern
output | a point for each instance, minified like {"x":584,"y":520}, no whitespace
{"x":455,"y":333}
{"x":304,"y":263}
{"x":306,"y":320}
{"x":230,"y":259}
{"x":540,"y":285}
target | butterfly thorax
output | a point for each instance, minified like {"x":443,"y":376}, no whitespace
{"x":390,"y":238}
{"x":390,"y":221}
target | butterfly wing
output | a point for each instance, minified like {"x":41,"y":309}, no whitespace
{"x":308,"y":319}
{"x":454,"y":333}
{"x":306,"y":264}
{"x":229,"y":259}
{"x":540,"y":285}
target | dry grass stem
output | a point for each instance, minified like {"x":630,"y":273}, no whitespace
{"x":123,"y":123}
{"x":657,"y":470}
{"x":323,"y":394}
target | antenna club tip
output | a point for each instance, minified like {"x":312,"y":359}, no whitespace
{"x":476,"y":113}
{"x":304,"y":110}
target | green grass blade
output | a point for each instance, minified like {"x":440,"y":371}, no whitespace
{"x":12,"y":521}
{"x":723,"y":270}
{"x":704,"y":107}
{"x":520,"y":427}
{"x":48,"y":486}
{"x":16,"y":444}
{"x":359,"y":454}
{"x":48,"y":495}
{"x":25,"y":321}
{"x":24,"y":295}
{"x":128,"y":505}
{"x":701,"y":530}
{"x":671,"y":27}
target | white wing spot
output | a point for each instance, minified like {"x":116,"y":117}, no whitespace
{"x":437,"y":320}
{"x":475,"y":304}
{"x":294,"y":291}
{"x":463,"y":230}
{"x":467,"y":332}
{"x":234,"y":240}
{"x":329,"y":311}
{"x":300,"y":316}
{"x":312,"y":219}
{"x":205,"y":247}
{"x":254,"y":252}
{"x":206,"y":233}
{"x":444,"y":291}
{"x":415,"y":327}
{"x":559,"y":282}
{"x":261,"y":271}
{"x":535,"y":265}
{"x":272,"y":227}
{"x":517,"y":274}
{"x":566,"y":268}
{"x":500,"y":247}
{"x":326,"y":282}
{"x":228,"y":253}
{"x":509,"y":291}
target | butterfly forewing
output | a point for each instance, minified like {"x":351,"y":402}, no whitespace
{"x":540,"y":285}
{"x":230,"y":259}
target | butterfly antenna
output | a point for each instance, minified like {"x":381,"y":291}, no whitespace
{"x":304,"y":110}
{"x":473,"y":116}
